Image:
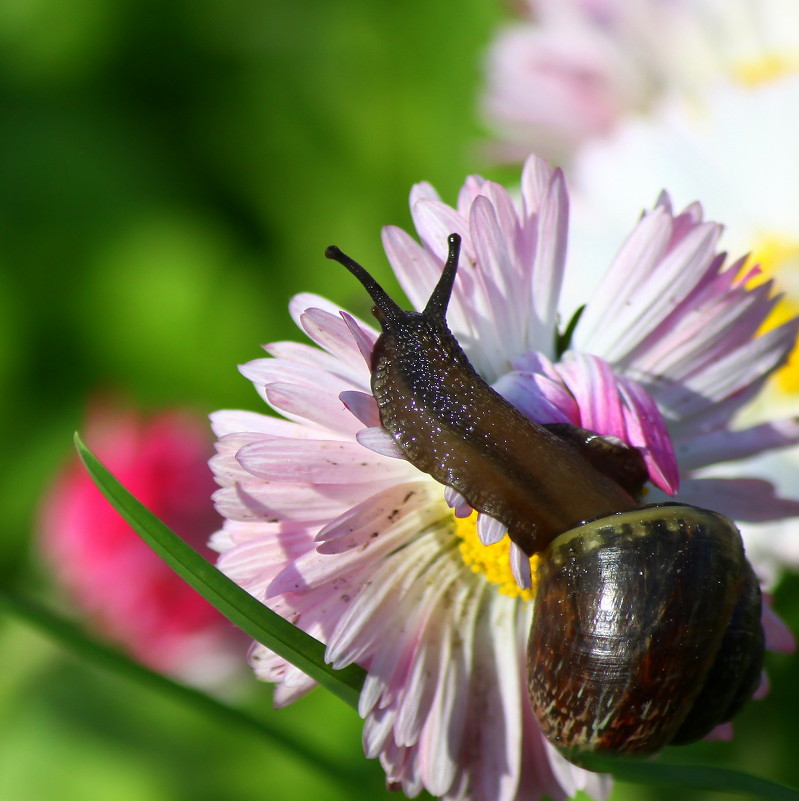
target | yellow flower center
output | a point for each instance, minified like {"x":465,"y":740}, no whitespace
{"x":779,"y":257}
{"x":493,"y":561}
{"x":770,"y":67}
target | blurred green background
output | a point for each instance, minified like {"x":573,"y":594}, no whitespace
{"x":170,"y":174}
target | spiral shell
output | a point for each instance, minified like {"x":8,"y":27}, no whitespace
{"x":646,"y":632}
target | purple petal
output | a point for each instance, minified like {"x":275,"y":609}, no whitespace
{"x":646,"y":430}
{"x":502,"y":305}
{"x":303,"y":393}
{"x":427,"y":643}
{"x":700,"y":335}
{"x":434,"y":222}
{"x":549,"y":260}
{"x":714,"y":394}
{"x":457,"y":503}
{"x":495,"y":715}
{"x":284,"y":500}
{"x":779,"y":637}
{"x":473,"y":187}
{"x":418,"y":271}
{"x":300,"y":354}
{"x":368,"y":519}
{"x":611,"y":405}
{"x":520,"y":567}
{"x":377,"y":439}
{"x":362,"y":405}
{"x":364,"y":337}
{"x":748,"y":499}
{"x":330,"y":332}
{"x":607,"y":316}
{"x":538,"y":397}
{"x":319,"y":406}
{"x":725,"y":446}
{"x":423,"y":191}
{"x":362,"y":626}
{"x":313,"y":572}
{"x":489,"y":530}
{"x":226,"y":469}
{"x":594,"y":386}
{"x":304,"y":301}
{"x":318,"y":462}
{"x":535,"y":183}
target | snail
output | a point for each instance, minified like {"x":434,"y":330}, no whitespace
{"x":647,"y":628}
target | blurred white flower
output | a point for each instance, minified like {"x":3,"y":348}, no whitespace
{"x":574,"y":69}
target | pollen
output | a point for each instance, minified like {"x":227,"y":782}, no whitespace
{"x":779,"y":257}
{"x":767,"y":69}
{"x":493,"y":561}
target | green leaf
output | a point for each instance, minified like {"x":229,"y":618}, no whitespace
{"x":100,"y":654}
{"x":563,"y":340}
{"x":699,"y":777}
{"x":250,"y":615}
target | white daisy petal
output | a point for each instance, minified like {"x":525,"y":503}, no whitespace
{"x":315,"y":462}
{"x":369,"y":518}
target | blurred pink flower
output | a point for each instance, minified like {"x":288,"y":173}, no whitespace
{"x":125,"y":590}
{"x":573,"y":68}
{"x":355,"y":546}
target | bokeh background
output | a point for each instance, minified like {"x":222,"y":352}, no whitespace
{"x":170,"y":174}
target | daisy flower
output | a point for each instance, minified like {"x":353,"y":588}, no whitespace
{"x":754,"y":129}
{"x":327,"y":526}
{"x":124,"y":590}
{"x":573,"y":69}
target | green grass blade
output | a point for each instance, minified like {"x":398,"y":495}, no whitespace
{"x":563,"y":340}
{"x":250,"y":615}
{"x":105,"y":656}
{"x":698,"y":777}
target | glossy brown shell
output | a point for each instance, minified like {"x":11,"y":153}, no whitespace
{"x":646,"y":631}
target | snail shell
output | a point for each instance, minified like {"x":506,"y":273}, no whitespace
{"x":646,"y":631}
{"x":647,"y":625}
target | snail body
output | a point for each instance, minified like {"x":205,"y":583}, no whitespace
{"x":449,"y":423}
{"x":647,"y":625}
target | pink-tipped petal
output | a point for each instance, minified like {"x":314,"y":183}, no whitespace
{"x":646,"y":430}
{"x":316,"y":462}
{"x":362,"y":405}
{"x":459,"y":505}
{"x":363,"y":337}
{"x":377,"y":439}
